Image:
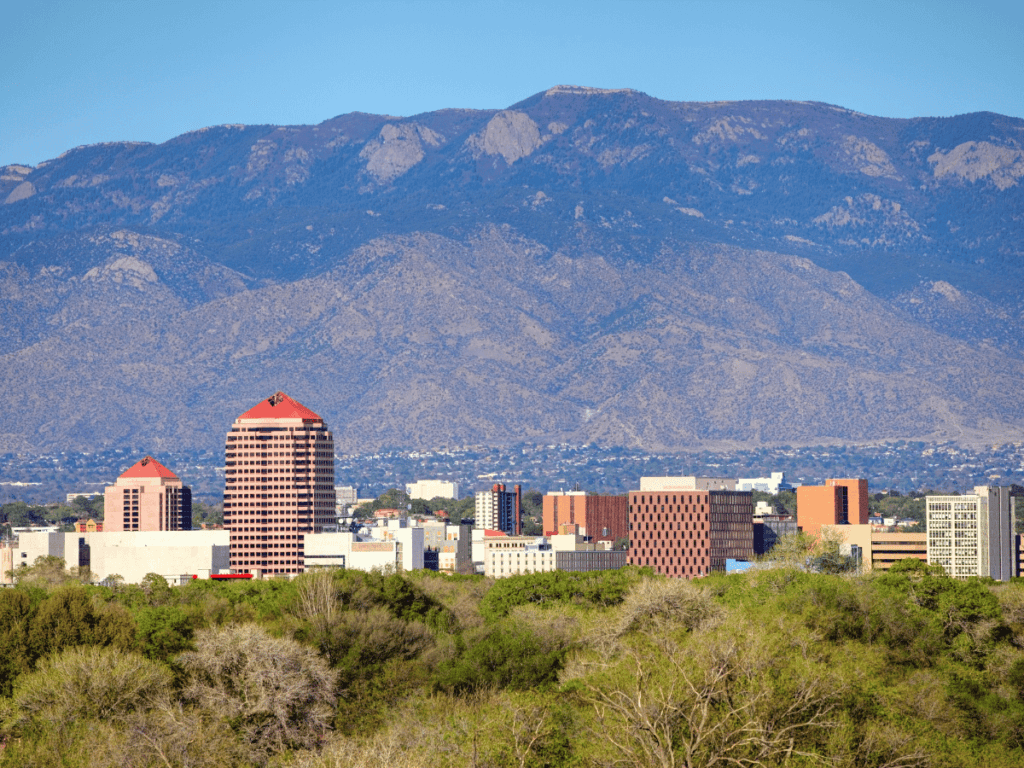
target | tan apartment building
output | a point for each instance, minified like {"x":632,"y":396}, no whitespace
{"x":278,"y":485}
{"x":147,"y":497}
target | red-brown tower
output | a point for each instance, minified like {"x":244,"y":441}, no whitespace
{"x":278,"y":485}
{"x":147,"y":497}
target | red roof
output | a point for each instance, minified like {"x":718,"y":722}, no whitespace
{"x":149,"y":467}
{"x":279,"y":406}
{"x":492,"y":532}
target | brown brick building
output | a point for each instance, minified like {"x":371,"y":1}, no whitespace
{"x":278,"y":486}
{"x":600,"y":518}
{"x":686,"y":534}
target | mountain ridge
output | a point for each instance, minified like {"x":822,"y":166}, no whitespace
{"x":586,"y":264}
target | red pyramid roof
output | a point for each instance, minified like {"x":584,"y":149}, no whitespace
{"x":149,"y":467}
{"x":279,"y":406}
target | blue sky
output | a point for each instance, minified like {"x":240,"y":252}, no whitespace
{"x":75,"y":73}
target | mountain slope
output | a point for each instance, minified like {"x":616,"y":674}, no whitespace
{"x":585,"y":265}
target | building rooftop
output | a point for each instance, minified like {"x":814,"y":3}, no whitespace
{"x":279,"y":406}
{"x":149,"y":467}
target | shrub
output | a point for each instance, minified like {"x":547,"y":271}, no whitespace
{"x":275,"y":693}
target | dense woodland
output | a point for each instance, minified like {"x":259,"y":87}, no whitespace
{"x":777,"y":666}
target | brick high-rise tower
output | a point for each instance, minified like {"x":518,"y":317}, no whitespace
{"x":278,"y":485}
{"x":147,"y":497}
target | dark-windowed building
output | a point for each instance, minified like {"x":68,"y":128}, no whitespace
{"x":278,"y":485}
{"x":683,"y":530}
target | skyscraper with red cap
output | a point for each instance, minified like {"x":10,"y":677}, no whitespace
{"x":278,"y":485}
{"x":147,"y":497}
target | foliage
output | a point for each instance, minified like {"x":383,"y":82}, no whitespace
{"x":596,"y":588}
{"x":820,"y":553}
{"x":275,"y":693}
{"x":207,"y":514}
{"x":776,"y":666}
{"x":69,"y":616}
{"x":91,"y":683}
{"x":500,"y":655}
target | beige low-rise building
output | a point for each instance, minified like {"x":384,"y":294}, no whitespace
{"x":879,"y":550}
{"x":515,"y":555}
{"x":131,"y":554}
{"x":655,"y":484}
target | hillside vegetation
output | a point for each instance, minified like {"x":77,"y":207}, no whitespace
{"x":343,"y":669}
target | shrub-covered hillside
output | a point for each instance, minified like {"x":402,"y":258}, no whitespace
{"x":343,"y":669}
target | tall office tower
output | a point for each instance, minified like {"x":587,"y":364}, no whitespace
{"x":498,"y":510}
{"x":147,"y":497}
{"x":278,"y":485}
{"x":837,"y":502}
{"x":973,"y":534}
{"x":684,"y":530}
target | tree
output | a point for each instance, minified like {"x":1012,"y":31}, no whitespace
{"x":90,"y":683}
{"x":210,"y":514}
{"x":275,"y":693}
{"x":15,"y":615}
{"x":69,"y":617}
{"x":737,"y":697}
{"x":47,"y":571}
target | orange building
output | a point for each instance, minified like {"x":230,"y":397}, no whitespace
{"x":685,"y":534}
{"x":147,"y":497}
{"x":278,"y":485}
{"x":837,"y":502}
{"x":599,"y":518}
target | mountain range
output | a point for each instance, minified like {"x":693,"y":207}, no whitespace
{"x":586,"y":265}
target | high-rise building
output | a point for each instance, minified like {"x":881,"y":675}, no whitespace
{"x":147,"y":497}
{"x":691,"y":531}
{"x":278,"y":485}
{"x":837,"y":502}
{"x":498,"y":510}
{"x":973,"y":534}
{"x":600,"y":518}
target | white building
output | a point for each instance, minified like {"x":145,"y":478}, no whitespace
{"x":85,"y":494}
{"x":453,"y":544}
{"x":655,"y":484}
{"x":973,"y":534}
{"x":432,"y":489}
{"x":131,"y":554}
{"x":344,"y":495}
{"x":498,"y":510}
{"x":774,"y":484}
{"x":393,"y":544}
{"x":514,"y":555}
